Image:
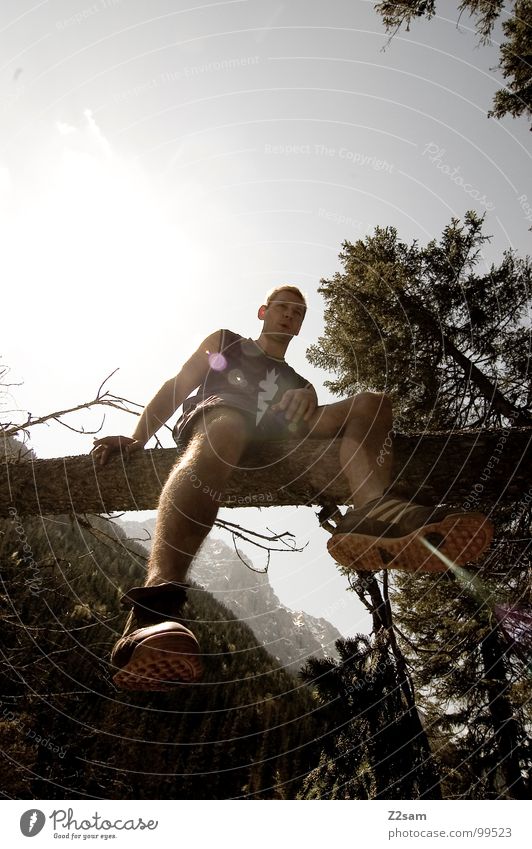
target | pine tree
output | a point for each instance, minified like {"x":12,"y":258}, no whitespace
{"x":516,"y":64}
{"x":450,"y":345}
{"x":378,"y":748}
{"x":515,"y":53}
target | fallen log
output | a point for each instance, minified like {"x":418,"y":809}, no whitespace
{"x":468,"y":468}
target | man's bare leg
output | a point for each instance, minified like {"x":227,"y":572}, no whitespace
{"x":383,"y":530}
{"x":365,"y":422}
{"x":190,"y":498}
{"x":157,"y":650}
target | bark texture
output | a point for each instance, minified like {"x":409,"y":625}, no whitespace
{"x":469,"y":468}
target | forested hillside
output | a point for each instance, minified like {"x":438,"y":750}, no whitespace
{"x":248,"y":729}
{"x":289,"y":636}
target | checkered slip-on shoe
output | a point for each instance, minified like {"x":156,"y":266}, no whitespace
{"x":387,"y":533}
{"x":156,"y":651}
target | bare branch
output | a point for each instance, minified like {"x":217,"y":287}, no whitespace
{"x":223,"y":523}
{"x":105,"y":399}
{"x":102,"y":384}
{"x":252,"y":568}
{"x":290,"y":546}
{"x":101,"y":535}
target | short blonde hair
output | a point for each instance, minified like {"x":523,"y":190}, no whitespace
{"x":295,"y":291}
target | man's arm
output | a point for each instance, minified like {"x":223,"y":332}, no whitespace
{"x":164,"y":404}
{"x":298,"y":404}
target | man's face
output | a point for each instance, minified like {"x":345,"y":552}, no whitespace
{"x":283,"y":316}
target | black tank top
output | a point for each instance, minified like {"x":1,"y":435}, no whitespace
{"x":243,"y":376}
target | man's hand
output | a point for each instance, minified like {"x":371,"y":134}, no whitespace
{"x":107,"y":445}
{"x":298,"y":404}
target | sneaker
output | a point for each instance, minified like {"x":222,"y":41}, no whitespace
{"x":387,"y":533}
{"x":156,"y":651}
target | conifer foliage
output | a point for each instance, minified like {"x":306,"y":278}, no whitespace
{"x":445,"y":338}
{"x":515,"y":52}
{"x":248,"y":730}
{"x":378,"y":749}
{"x":450,"y":343}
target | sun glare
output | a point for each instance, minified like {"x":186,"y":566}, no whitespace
{"x":85,"y":225}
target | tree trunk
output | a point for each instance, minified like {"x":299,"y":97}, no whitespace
{"x":487,"y":388}
{"x":520,"y":418}
{"x":505,"y":726}
{"x":468,"y":468}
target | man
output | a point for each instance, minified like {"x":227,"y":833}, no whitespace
{"x":248,"y":393}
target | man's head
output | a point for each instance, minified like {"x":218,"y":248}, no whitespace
{"x":283,"y":311}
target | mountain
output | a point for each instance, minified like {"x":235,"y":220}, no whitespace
{"x":291,"y":637}
{"x":248,"y":729}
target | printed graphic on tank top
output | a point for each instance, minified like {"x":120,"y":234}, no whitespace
{"x":243,"y":377}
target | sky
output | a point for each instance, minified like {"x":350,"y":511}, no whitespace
{"x":164,"y":164}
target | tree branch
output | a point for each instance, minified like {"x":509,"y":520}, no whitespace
{"x":105,"y":399}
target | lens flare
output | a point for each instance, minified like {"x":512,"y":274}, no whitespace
{"x":473,"y":584}
{"x":236,"y":378}
{"x":217,"y":362}
{"x":515,"y":623}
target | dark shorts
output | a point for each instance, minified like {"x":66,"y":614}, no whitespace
{"x":272,"y":427}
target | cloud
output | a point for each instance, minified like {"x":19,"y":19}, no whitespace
{"x":65,"y":129}
{"x":96,"y":133}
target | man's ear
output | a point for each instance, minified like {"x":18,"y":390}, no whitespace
{"x":261,"y":312}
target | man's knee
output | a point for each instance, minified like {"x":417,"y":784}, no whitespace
{"x":371,"y":404}
{"x":332,"y":420}
{"x":223,"y":432}
{"x":367,"y":410}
